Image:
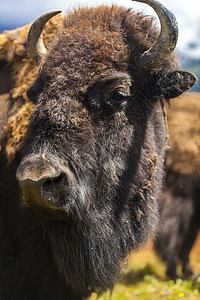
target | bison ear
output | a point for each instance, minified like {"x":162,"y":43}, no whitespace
{"x":175,"y":83}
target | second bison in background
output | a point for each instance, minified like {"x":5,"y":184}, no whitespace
{"x":180,"y":201}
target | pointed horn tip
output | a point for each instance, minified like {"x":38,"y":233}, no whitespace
{"x":44,"y":18}
{"x":35,"y":43}
{"x":167,"y":40}
{"x":52,"y":12}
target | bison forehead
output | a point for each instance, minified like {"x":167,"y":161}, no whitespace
{"x":97,"y":39}
{"x":80,"y":57}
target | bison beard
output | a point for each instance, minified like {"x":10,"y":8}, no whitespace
{"x":90,"y":258}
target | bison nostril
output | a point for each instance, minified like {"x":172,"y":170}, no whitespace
{"x":52,"y":188}
{"x":58,"y":182}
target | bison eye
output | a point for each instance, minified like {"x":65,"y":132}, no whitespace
{"x":118,"y":97}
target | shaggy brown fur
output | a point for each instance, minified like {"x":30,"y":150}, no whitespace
{"x":179,"y":203}
{"x":18,"y":72}
{"x":70,"y":241}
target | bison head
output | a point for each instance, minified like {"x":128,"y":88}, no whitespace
{"x":93,"y":158}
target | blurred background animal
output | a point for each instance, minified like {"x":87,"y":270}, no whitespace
{"x":179,"y":202}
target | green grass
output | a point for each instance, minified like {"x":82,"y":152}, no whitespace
{"x":144,"y":278}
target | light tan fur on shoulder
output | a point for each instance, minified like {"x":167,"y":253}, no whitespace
{"x":16,"y":130}
{"x":13,"y":50}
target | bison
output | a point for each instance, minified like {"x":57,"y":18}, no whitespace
{"x":179,"y":204}
{"x":82,"y":156}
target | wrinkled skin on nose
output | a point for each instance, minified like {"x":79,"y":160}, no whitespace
{"x":42,"y":184}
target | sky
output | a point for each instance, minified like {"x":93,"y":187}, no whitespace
{"x":15,"y":13}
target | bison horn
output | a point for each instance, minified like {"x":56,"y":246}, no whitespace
{"x":167,"y":39}
{"x":35,"y":41}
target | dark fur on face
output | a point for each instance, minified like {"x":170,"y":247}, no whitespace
{"x":112,"y":150}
